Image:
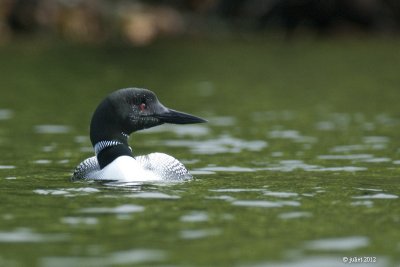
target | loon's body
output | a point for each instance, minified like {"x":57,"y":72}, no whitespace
{"x":120,"y":114}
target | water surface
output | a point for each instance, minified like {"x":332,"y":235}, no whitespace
{"x":298,"y":165}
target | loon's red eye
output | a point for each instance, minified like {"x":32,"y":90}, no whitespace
{"x":142,"y":106}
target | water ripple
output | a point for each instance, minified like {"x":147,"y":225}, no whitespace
{"x":346,"y":157}
{"x":69,"y":192}
{"x":195,"y":216}
{"x":281,"y":194}
{"x":222,"y":121}
{"x":295,"y":215}
{"x":265,"y":203}
{"x":366,"y":203}
{"x":339,"y":244}
{"x":27,"y":236}
{"x":237,"y":190}
{"x":212,"y":169}
{"x":153,"y":195}
{"x":221,"y":144}
{"x":376,"y":139}
{"x":123,"y":209}
{"x":377,"y":196}
{"x":52,"y":129}
{"x":134,"y":256}
{"x":292,"y":135}
{"x":348,"y":148}
{"x":179,"y":130}
{"x":340,"y":169}
{"x":79,"y":220}
{"x":199,"y":233}
{"x":6,"y":114}
{"x":290,"y":165}
{"x":7,"y":167}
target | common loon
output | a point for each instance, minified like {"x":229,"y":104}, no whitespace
{"x":121,"y":113}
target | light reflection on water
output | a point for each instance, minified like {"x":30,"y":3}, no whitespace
{"x":70,"y":192}
{"x":195,"y":216}
{"x":25,"y":235}
{"x":265,"y":203}
{"x":6,"y":114}
{"x":292,"y":135}
{"x":377,"y":196}
{"x":341,"y":244}
{"x":221,"y":144}
{"x":180,"y":130}
{"x":198,"y":233}
{"x":122,"y":209}
{"x":152,"y":195}
{"x":52,"y":129}
{"x":6,"y":167}
{"x":135,"y":256}
{"x":294,"y":215}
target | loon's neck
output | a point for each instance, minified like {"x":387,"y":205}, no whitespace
{"x":109,"y":153}
{"x":108,"y":150}
{"x":108,"y":135}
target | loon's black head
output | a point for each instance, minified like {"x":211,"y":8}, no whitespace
{"x":132,"y":109}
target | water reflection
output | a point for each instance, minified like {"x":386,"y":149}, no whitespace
{"x":221,"y":144}
{"x":42,"y":161}
{"x":295,"y":215}
{"x":134,"y":256}
{"x":6,"y":114}
{"x":52,"y":129}
{"x":180,"y":130}
{"x":24,"y":235}
{"x":80,"y":220}
{"x":237,"y":190}
{"x":152,"y":195}
{"x":213,"y":169}
{"x":7,"y":167}
{"x":265,"y":203}
{"x":68,"y":192}
{"x":195,"y":216}
{"x":366,"y":203}
{"x":199,"y":233}
{"x":274,"y":115}
{"x":339,"y":244}
{"x":356,"y":157}
{"x":123,"y":209}
{"x":377,"y":196}
{"x":292,"y":135}
{"x":257,"y":203}
{"x":222,"y":121}
{"x":346,"y":157}
{"x":281,"y":194}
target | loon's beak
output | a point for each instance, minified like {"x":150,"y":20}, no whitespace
{"x":176,"y":117}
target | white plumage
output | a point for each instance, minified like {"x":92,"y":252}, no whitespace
{"x":151,"y":167}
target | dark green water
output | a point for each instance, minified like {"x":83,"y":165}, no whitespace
{"x":298,"y":165}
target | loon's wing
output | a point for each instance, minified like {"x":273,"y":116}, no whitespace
{"x":86,"y":167}
{"x":165,"y":166}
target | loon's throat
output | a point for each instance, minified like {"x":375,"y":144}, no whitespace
{"x":108,"y":151}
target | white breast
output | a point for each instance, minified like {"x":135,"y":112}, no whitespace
{"x":124,"y":168}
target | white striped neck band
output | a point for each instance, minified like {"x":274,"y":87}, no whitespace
{"x":99,"y":146}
